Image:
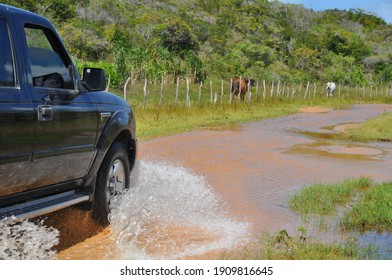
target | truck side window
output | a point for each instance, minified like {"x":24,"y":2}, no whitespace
{"x":48,"y":69}
{"x":7,"y":78}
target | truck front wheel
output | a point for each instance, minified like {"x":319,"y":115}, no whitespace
{"x":112,"y":179}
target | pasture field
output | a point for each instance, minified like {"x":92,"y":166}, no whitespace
{"x":166,"y":109}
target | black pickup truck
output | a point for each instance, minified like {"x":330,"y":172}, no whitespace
{"x":63,"y":140}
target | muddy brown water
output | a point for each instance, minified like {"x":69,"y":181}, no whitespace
{"x":253,"y":168}
{"x":256,"y":168}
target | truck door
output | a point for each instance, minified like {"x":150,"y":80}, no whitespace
{"x":65,"y":121}
{"x":16,"y":122}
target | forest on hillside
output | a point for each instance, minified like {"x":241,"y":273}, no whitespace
{"x":202,"y":39}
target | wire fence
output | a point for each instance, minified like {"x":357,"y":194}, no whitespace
{"x":215,"y":92}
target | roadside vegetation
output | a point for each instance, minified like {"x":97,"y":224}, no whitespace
{"x":207,"y":39}
{"x":163,"y":114}
{"x":354,"y":205}
{"x":376,"y":129}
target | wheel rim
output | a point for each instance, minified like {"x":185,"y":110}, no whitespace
{"x":116,"y":183}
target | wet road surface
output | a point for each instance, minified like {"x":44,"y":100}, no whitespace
{"x":205,"y":191}
{"x":255,"y":167}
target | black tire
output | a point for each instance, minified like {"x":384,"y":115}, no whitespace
{"x":112,"y":179}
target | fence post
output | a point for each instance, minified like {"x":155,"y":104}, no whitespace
{"x":125,"y":88}
{"x":249,"y":92}
{"x":272,"y":89}
{"x":314,"y":92}
{"x":107,"y":87}
{"x":300,"y":88}
{"x":177,"y":89}
{"x":222,"y":93}
{"x":264,"y":90}
{"x":161,"y":99}
{"x":188,"y":99}
{"x":306,"y":91}
{"x":201,"y":85}
{"x":211,"y":91}
{"x":257,"y":91}
{"x":145,"y":93}
{"x":231,"y":91}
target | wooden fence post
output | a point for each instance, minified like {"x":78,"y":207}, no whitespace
{"x":145,"y":93}
{"x":222,"y":92}
{"x":201,"y":85}
{"x":231,"y":91}
{"x":211,"y":91}
{"x":177,"y":89}
{"x":264,"y":90}
{"x":107,"y":87}
{"x":249,"y":92}
{"x":161,"y":99}
{"x":306,"y":92}
{"x":125,"y":88}
{"x":188,"y":99}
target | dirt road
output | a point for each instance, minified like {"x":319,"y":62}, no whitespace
{"x":248,"y":172}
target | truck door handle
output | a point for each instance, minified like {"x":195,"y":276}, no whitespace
{"x":45,"y":113}
{"x":105,"y":115}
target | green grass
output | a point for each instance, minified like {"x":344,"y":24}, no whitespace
{"x":376,"y":129}
{"x":370,"y":204}
{"x":323,"y":199}
{"x":281,"y":246}
{"x":373,"y":211}
{"x":370,"y":208}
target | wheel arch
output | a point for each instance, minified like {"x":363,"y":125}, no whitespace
{"x":120,"y":128}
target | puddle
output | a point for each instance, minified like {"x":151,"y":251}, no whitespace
{"x":344,"y":152}
{"x":377,"y":244}
{"x":327,"y":144}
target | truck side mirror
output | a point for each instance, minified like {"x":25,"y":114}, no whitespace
{"x":95,"y":78}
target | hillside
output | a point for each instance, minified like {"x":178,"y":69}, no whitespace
{"x":220,"y":38}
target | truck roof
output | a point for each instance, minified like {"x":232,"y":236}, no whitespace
{"x":20,"y":14}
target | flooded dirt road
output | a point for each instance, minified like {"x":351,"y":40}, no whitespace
{"x":255,"y":167}
{"x":201,"y":192}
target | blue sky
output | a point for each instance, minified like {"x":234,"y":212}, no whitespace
{"x":381,"y":8}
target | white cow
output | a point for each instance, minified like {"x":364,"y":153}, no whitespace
{"x":330,"y":88}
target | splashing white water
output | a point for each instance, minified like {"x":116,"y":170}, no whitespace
{"x":168,"y":213}
{"x":24,"y":240}
{"x":171,"y":213}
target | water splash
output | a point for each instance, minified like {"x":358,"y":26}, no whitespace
{"x":171,"y":213}
{"x":168,"y":213}
{"x":25,"y":240}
